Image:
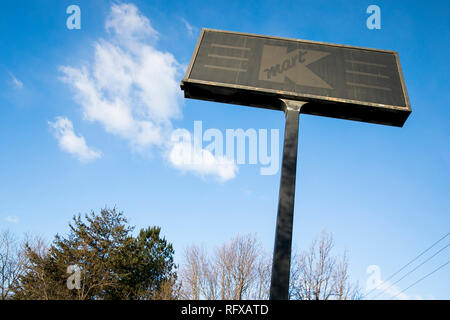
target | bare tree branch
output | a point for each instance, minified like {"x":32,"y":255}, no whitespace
{"x":316,"y":274}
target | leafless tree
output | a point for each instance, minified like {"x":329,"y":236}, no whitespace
{"x":316,"y":274}
{"x":194,"y":273}
{"x":240,"y":269}
{"x":237,"y":261}
{"x":237,"y":270}
{"x":261,"y":286}
{"x":14,"y":259}
{"x":32,"y":249}
{"x":11,"y":263}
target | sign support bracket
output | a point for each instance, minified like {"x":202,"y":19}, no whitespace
{"x":279,"y":287}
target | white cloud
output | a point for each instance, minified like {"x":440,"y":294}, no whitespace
{"x":132,"y":89}
{"x":183,"y":155}
{"x":190,"y":29}
{"x":12,"y":219}
{"x":127,"y":23}
{"x":16,"y":82}
{"x":70,"y":142}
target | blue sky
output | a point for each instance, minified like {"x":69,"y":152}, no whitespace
{"x":382,"y":191}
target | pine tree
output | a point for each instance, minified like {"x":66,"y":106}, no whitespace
{"x":110,"y":262}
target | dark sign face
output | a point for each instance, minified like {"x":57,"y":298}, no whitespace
{"x":338,"y":81}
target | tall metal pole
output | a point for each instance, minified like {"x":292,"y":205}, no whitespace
{"x":279,"y":287}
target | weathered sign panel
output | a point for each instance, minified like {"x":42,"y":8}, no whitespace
{"x":339,"y":81}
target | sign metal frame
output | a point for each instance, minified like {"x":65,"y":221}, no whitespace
{"x":327,"y":106}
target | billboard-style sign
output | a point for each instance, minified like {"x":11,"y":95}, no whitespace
{"x":338,"y":81}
